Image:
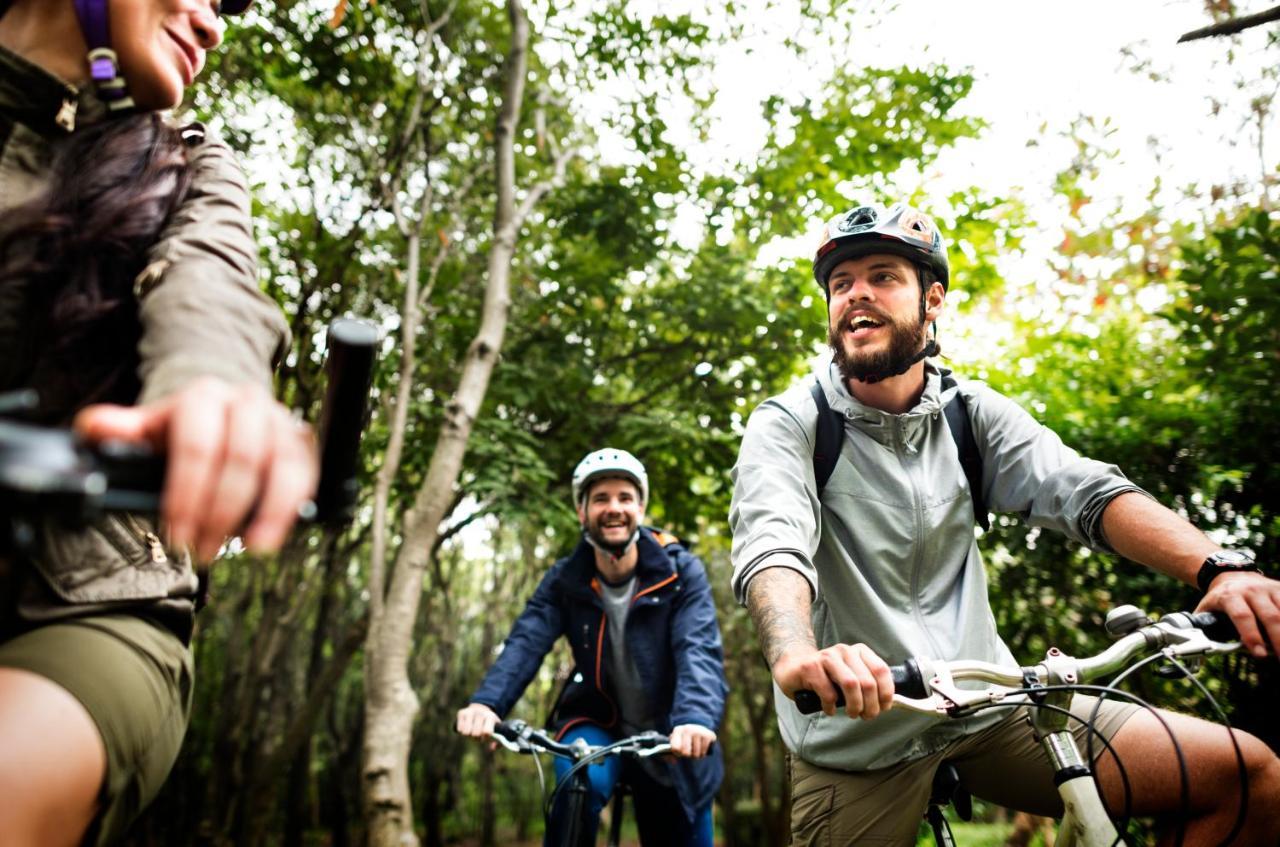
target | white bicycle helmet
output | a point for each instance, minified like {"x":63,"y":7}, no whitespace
{"x":900,"y":230}
{"x":608,"y":462}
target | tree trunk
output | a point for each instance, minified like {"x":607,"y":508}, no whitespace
{"x":390,"y":702}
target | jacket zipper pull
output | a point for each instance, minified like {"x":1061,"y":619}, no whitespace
{"x":157,"y":548}
{"x":66,"y":117}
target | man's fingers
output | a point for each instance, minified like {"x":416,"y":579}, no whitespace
{"x":852,"y":669}
{"x":691,"y":740}
{"x":476,"y":721}
{"x":836,"y":663}
{"x":823,"y":681}
{"x":1267,"y":610}
{"x":863,"y":684}
{"x":1252,"y":601}
{"x":1265,"y":607}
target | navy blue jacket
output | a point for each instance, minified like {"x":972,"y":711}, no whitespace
{"x":672,"y":636}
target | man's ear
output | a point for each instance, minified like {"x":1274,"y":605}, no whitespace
{"x":582,"y":515}
{"x":935,"y":301}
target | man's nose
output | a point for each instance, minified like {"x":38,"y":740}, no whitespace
{"x":862,"y":289}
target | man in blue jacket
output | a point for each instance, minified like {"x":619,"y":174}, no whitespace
{"x":637,"y":610}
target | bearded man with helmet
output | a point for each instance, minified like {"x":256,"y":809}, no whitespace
{"x":129,"y":304}
{"x":638,"y":613}
{"x":853,"y":512}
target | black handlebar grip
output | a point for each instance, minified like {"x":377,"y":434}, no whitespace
{"x":907,"y":681}
{"x":507,"y":730}
{"x":135,"y":476}
{"x":352,"y":346}
{"x":1216,"y":625}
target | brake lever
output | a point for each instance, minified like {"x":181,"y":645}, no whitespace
{"x":947,"y":697}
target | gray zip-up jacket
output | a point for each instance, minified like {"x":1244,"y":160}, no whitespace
{"x":890,"y":550}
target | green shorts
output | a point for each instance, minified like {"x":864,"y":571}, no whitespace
{"x":1003,"y":764}
{"x":134,"y":677}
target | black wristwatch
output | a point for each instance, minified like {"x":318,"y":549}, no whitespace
{"x":1224,"y":561}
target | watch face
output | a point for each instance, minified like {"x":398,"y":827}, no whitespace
{"x":1231,"y":558}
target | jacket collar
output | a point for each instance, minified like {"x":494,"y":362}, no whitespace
{"x":883,"y":426}
{"x":652,"y":564}
{"x":37,"y":99}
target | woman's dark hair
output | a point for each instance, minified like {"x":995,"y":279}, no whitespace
{"x":72,"y":253}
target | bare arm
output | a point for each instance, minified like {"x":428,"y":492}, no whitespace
{"x":1141,"y":529}
{"x":779,"y":600}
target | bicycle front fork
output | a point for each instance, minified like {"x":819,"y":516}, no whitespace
{"x":1085,"y":822}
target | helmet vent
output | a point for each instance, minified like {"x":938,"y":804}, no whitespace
{"x":860,"y":219}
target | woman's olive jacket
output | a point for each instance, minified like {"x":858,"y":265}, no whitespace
{"x":201,"y":314}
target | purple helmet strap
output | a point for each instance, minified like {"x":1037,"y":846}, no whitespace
{"x":93,"y":22}
{"x":103,"y":67}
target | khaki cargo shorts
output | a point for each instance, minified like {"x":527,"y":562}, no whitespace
{"x":1003,"y":764}
{"x":134,"y":677}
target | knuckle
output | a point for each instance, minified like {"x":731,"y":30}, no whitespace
{"x":243,"y":454}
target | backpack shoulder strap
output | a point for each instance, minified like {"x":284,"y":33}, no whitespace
{"x":826,"y":443}
{"x":957,"y":414}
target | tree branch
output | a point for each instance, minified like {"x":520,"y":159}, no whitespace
{"x":1234,"y":25}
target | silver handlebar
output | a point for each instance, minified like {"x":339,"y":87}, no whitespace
{"x":1174,"y":635}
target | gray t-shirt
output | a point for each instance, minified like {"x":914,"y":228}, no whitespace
{"x":634,"y":708}
{"x":632,"y":699}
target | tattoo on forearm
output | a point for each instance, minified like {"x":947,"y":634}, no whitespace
{"x":778,"y":600}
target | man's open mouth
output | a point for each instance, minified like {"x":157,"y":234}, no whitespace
{"x":862,"y":322}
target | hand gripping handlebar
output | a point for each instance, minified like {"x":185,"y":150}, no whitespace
{"x":926,"y":685}
{"x":51,"y":471}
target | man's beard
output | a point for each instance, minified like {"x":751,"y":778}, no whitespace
{"x":906,"y":341}
{"x":596,"y":534}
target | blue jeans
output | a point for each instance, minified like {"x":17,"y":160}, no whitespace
{"x":659,"y":816}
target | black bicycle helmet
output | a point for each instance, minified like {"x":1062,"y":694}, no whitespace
{"x":900,"y":230}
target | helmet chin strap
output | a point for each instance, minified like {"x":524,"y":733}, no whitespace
{"x":104,"y":66}
{"x":616,"y":551}
{"x":930,"y":349}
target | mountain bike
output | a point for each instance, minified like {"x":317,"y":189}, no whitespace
{"x":518,"y":737}
{"x":1181,"y":640}
{"x":51,"y":472}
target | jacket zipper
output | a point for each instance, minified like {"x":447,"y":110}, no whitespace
{"x":918,"y":542}
{"x":66,"y":117}
{"x":154,"y":545}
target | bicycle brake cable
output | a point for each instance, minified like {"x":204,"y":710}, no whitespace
{"x":1241,"y":769}
{"x":1184,"y":778}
